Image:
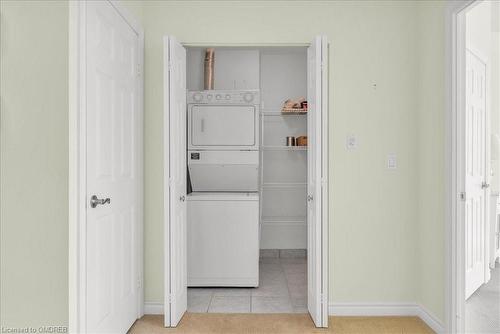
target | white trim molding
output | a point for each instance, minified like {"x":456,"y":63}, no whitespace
{"x":358,"y":310}
{"x":153,"y":308}
{"x":431,"y":320}
{"x":454,"y":284}
{"x":386,"y":309}
{"x":321,"y":259}
{"x":77,"y":131}
{"x":372,"y":309}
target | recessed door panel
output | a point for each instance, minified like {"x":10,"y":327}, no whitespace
{"x":100,"y":257}
{"x":103,"y":119}
{"x":127,"y":134}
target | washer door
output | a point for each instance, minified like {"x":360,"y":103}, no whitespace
{"x":224,"y":170}
{"x":222,"y":125}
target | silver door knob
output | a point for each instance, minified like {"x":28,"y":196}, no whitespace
{"x":310,"y":198}
{"x":485,"y":185}
{"x":94,"y":201}
{"x":182,"y":198}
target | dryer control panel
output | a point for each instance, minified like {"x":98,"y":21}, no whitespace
{"x":224,"y":97}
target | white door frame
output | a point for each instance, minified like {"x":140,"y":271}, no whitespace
{"x":325,"y":236}
{"x":77,"y":191}
{"x":454,"y":171}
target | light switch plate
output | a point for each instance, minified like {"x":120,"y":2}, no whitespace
{"x":351,"y":142}
{"x":392,"y":162}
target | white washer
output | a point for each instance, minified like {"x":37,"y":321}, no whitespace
{"x":223,"y":243}
{"x":224,"y":170}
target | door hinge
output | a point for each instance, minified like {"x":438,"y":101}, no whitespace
{"x":170,"y":182}
{"x":139,"y":283}
{"x":324,"y":298}
{"x":323,"y":182}
{"x":138,"y":70}
{"x":170,"y":298}
{"x":462,"y":196}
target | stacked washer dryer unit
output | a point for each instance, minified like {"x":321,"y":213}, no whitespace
{"x":223,"y":207}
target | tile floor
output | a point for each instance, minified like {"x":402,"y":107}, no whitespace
{"x":282,"y":289}
{"x":482,"y":309}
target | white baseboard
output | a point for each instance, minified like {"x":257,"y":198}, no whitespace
{"x":372,"y":309}
{"x":357,"y":309}
{"x":153,"y":308}
{"x":386,"y":309}
{"x":431,"y":321}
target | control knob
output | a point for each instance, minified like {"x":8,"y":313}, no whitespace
{"x":197,"y":97}
{"x":248,"y":97}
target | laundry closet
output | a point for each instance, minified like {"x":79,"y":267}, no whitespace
{"x":246,"y":166}
{"x":247,"y":161}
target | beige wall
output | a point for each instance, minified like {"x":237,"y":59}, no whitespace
{"x":386,"y":226}
{"x":373,"y":217}
{"x":34,"y":163}
{"x":136,"y":8}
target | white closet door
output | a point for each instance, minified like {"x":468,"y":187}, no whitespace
{"x":175,"y":179}
{"x":317,"y":190}
{"x":113,"y":162}
{"x":475,"y":174}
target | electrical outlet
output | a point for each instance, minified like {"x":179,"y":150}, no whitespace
{"x":351,"y":142}
{"x":392,"y":162}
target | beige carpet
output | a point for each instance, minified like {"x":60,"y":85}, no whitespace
{"x":206,"y":323}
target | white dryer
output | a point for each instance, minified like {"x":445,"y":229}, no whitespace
{"x":223,"y":120}
{"x":223,"y":140}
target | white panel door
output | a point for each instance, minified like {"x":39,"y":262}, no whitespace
{"x":317,"y":191}
{"x":176,"y":177}
{"x":113,"y":148}
{"x":475,"y":174}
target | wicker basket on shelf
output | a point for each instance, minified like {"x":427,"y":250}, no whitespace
{"x":301,"y":141}
{"x":293,"y":110}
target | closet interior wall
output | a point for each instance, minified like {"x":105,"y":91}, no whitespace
{"x":280,"y":73}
